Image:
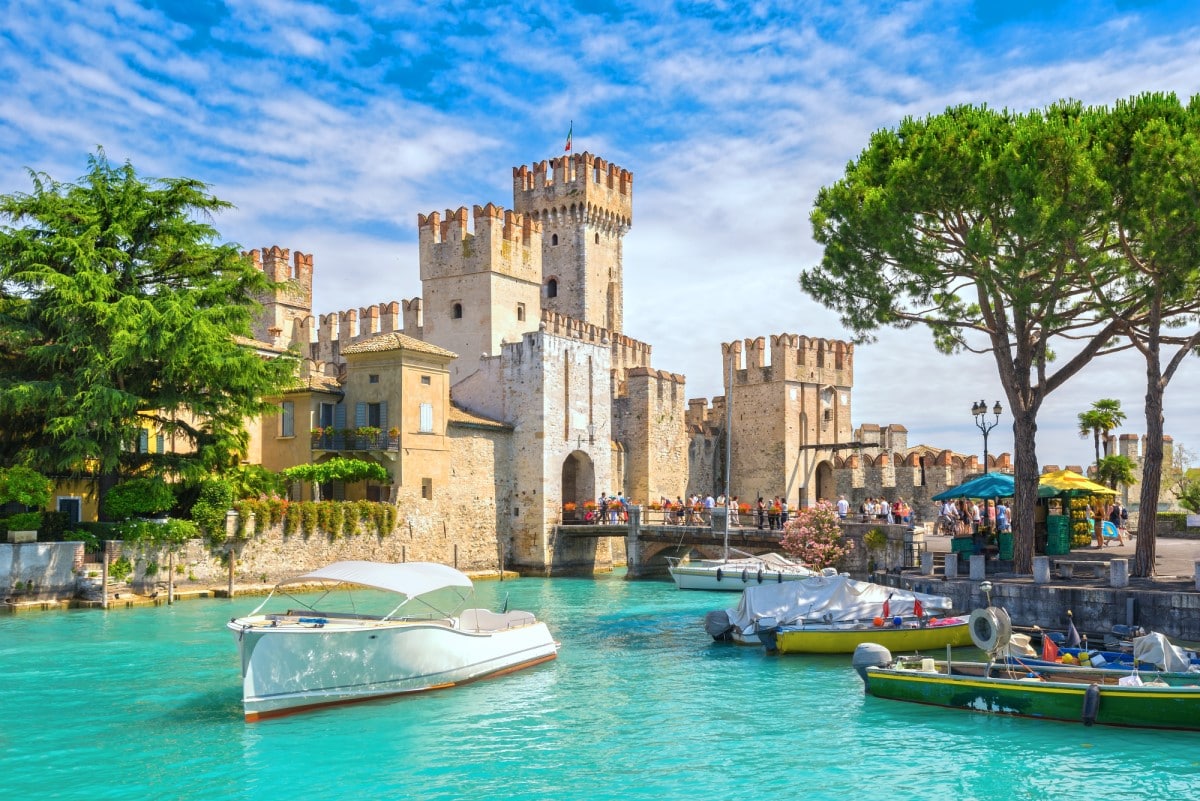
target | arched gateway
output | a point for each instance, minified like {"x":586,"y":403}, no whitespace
{"x":578,"y":479}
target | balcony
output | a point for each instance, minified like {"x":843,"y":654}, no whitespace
{"x":351,"y":440}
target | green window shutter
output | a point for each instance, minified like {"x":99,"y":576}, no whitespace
{"x":339,"y":416}
{"x":360,"y":414}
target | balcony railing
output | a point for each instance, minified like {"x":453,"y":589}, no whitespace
{"x":355,"y":442}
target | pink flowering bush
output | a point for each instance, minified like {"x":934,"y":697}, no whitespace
{"x":814,"y":537}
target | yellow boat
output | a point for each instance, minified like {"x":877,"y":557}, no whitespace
{"x":843,"y":639}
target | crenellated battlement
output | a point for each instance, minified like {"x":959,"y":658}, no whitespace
{"x":351,"y":325}
{"x":791,"y":357}
{"x":492,"y":239}
{"x":290,"y":300}
{"x":628,"y":353}
{"x":273,"y":261}
{"x":585,"y":183}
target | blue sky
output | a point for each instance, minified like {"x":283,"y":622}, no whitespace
{"x":331,"y":126}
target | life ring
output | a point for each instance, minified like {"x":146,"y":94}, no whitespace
{"x":991,"y":629}
{"x":1091,"y":704}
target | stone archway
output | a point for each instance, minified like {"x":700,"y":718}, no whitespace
{"x":826,"y":485}
{"x":578,"y":480}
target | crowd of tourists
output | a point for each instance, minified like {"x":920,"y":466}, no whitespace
{"x":880,"y":509}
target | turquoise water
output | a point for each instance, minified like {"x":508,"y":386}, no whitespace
{"x":640,"y":704}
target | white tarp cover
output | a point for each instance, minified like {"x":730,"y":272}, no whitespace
{"x":828,"y":599}
{"x":1156,"y":649}
{"x":411,"y":579}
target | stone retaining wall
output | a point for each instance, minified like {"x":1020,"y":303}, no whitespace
{"x":1095,"y":609}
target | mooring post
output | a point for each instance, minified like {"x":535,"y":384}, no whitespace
{"x":104,"y":576}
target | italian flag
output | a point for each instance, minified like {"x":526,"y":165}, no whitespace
{"x":567,"y":147}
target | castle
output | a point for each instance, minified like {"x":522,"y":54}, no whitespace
{"x":506,"y":394}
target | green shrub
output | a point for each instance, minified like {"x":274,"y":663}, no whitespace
{"x":90,"y":543}
{"x":214,"y":500}
{"x":54,"y":525}
{"x":120,"y":569}
{"x":26,"y":487}
{"x":875,"y":540}
{"x":138,"y":496}
{"x":157,"y":532}
{"x":24,"y":521}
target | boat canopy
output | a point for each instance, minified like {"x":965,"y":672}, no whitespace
{"x":410,"y":579}
{"x":828,"y":599}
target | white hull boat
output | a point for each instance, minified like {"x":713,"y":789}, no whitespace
{"x":298,"y":660}
{"x":736,"y":574}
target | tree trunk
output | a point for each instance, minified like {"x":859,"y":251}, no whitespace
{"x":1025,"y":464}
{"x":1143,"y":559}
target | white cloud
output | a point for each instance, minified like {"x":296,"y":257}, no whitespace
{"x":331,"y":132}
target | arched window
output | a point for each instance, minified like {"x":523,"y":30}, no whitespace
{"x":552,"y":288}
{"x":456,"y":311}
{"x":554,"y":239}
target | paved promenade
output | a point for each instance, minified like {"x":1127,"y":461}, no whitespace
{"x":1175,"y":559}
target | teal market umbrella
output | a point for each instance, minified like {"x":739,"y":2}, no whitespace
{"x":989,"y":485}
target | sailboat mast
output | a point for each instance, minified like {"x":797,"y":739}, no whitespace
{"x":728,"y":444}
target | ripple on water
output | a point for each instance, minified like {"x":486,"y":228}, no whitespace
{"x":640,"y":704}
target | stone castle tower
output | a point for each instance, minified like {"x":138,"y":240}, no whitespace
{"x":585,"y":207}
{"x":790,"y":415}
{"x":287,"y":309}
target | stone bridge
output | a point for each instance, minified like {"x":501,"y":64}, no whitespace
{"x":648,"y":546}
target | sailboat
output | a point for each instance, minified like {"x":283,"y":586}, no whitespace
{"x":735,"y":573}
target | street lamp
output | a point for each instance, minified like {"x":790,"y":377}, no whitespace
{"x":980,"y":411}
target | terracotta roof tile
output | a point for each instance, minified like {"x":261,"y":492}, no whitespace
{"x":395,"y":341}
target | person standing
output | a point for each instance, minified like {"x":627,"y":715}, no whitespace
{"x":761,"y":512}
{"x":843,"y":507}
{"x":1114,"y":517}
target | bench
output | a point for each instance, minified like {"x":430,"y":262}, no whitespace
{"x":1066,"y":567}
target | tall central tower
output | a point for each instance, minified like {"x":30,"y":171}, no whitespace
{"x":585,"y":206}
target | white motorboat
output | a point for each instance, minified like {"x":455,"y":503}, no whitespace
{"x":830,"y":613}
{"x":422,"y":638}
{"x":736,"y":573}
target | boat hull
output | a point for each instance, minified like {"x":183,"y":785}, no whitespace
{"x":1140,"y":707}
{"x":829,"y":640}
{"x":292,"y":668}
{"x":689,"y":577}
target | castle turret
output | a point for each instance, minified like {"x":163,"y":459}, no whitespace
{"x":585,"y":206}
{"x":481,"y":287}
{"x":286,"y":307}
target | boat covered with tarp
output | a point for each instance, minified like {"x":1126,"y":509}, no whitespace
{"x":833,"y":614}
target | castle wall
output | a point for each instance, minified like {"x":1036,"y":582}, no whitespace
{"x":557,"y":396}
{"x":648,"y":421}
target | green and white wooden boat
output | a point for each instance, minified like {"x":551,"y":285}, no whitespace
{"x":1078,"y":695}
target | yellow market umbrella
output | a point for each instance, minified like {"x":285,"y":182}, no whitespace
{"x":1071,"y":482}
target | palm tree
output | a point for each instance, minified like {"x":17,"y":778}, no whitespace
{"x":1113,"y":471}
{"x":1104,"y":416}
